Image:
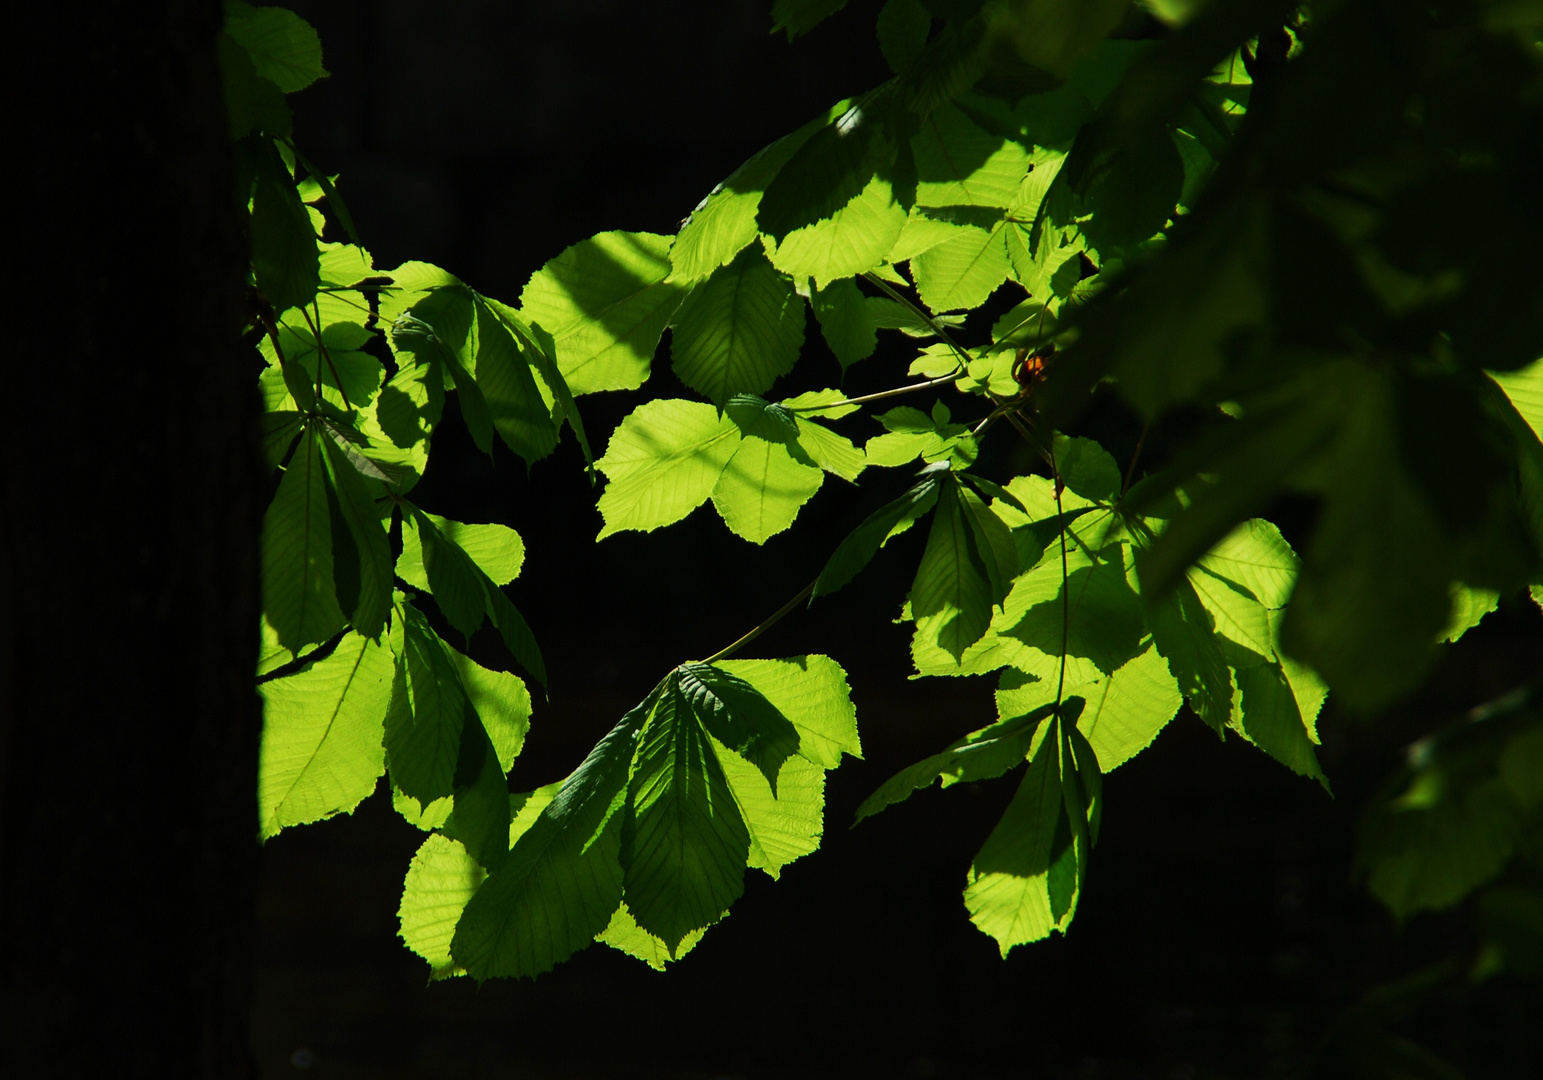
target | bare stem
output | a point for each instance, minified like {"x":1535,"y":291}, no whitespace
{"x":936,"y":327}
{"x":1130,"y":470}
{"x":765,"y":626}
{"x":896,"y":392}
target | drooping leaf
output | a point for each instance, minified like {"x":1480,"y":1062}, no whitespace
{"x":863,"y":543}
{"x":980,"y":755}
{"x":514,"y":403}
{"x":428,"y":715}
{"x":540,"y":351}
{"x":367,"y":534}
{"x":322,"y":729}
{"x":1018,"y":879}
{"x":605,"y":301}
{"x":284,"y":259}
{"x":739,"y":330}
{"x":951,"y":596}
{"x":452,"y":576}
{"x":662,"y":462}
{"x":299,"y":597}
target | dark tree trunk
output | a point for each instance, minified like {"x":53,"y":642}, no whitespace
{"x":128,"y":581}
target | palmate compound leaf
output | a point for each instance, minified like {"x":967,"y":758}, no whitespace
{"x":680,"y":791}
{"x":322,"y":729}
{"x":299,"y":595}
{"x":739,"y":330}
{"x":605,"y":301}
{"x":757,"y":462}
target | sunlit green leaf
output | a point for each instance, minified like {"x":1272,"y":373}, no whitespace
{"x":322,"y":730}
{"x":605,"y":301}
{"x":663,"y":461}
{"x":739,"y":330}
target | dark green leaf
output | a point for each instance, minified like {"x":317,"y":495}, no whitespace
{"x":736,"y":714}
{"x":509,"y":390}
{"x":562,"y":881}
{"x":846,"y":321}
{"x":367,"y":534}
{"x":903,"y":28}
{"x":283,"y":46}
{"x":299,"y":597}
{"x":284,"y":257}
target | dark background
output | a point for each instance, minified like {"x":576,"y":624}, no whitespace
{"x":1219,"y":934}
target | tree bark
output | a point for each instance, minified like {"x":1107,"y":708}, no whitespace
{"x":128,"y":575}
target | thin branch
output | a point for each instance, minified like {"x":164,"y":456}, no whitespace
{"x":765,"y":626}
{"x":896,"y":392}
{"x":1130,"y":470}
